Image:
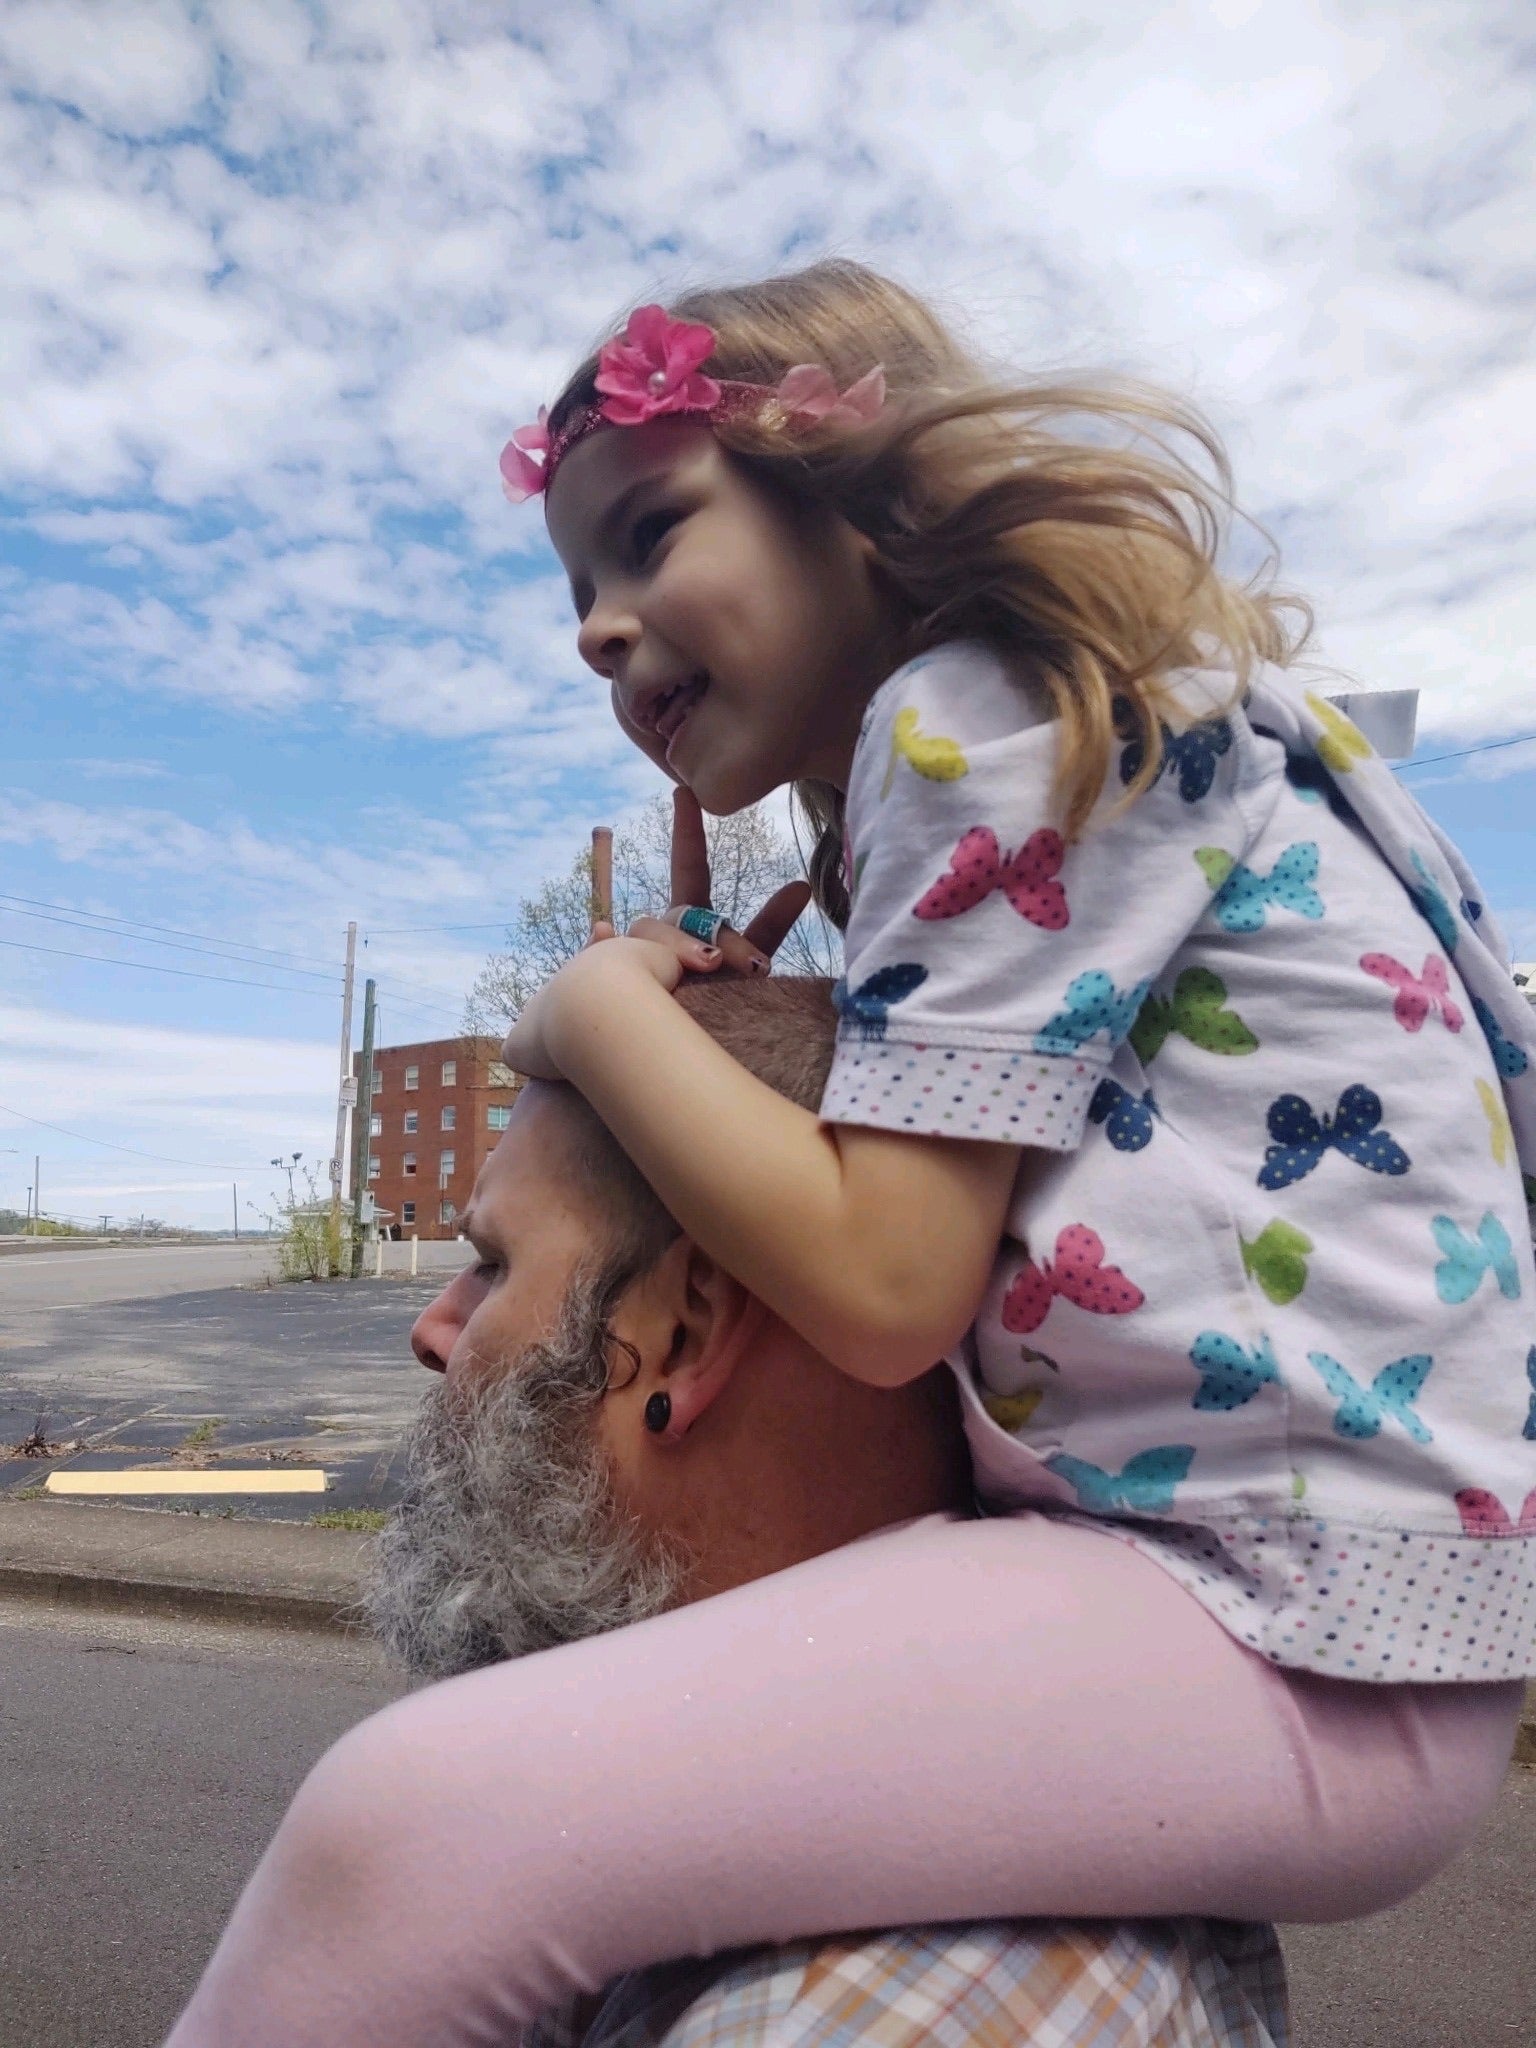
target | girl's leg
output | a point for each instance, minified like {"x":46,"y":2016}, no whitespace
{"x":948,"y":1720}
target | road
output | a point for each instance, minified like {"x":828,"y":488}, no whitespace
{"x":64,"y":1277}
{"x":144,"y":1766}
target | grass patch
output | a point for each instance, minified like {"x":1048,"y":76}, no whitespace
{"x":30,"y":1493}
{"x":198,"y":1439}
{"x":349,"y":1518}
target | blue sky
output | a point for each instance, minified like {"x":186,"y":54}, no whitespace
{"x":282,"y":277}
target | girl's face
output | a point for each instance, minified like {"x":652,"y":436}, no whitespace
{"x":741,"y":636}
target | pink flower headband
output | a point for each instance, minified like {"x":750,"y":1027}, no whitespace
{"x":654,"y":369}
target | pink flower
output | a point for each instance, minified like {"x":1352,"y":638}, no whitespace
{"x":807,"y":393}
{"x":521,"y":478}
{"x":655,"y":369}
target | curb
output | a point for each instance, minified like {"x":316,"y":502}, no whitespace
{"x":171,"y":1600}
{"x":145,"y":1562}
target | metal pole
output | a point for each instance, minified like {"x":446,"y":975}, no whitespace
{"x":362,"y":1133}
{"x":602,"y":874}
{"x":346,"y":1092}
{"x":415,"y":1254}
{"x":234,"y":1189}
{"x":37,"y":1195}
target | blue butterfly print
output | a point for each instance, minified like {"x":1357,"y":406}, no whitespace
{"x":1242,"y":896}
{"x":1509,"y":1058}
{"x":1144,"y":1487}
{"x":1229,"y":1374}
{"x":1312,"y":782}
{"x":1128,"y":1119}
{"x":1471,"y":911}
{"x":868,"y":1006}
{"x":1466,"y":1259}
{"x":1529,"y":1431}
{"x":1430,"y":898}
{"x":1092,"y":1004}
{"x":1301,"y":1138}
{"x":1191,"y":755}
{"x":1362,"y":1410}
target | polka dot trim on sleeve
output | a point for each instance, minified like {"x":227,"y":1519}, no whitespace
{"x":1011,"y":1097}
{"x":1382,"y":1605}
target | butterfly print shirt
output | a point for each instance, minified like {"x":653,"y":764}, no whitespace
{"x":1265,"y":1305}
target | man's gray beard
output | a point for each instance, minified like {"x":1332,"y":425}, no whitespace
{"x":507,"y":1537}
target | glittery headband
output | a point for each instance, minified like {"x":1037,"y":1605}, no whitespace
{"x":653,"y":370}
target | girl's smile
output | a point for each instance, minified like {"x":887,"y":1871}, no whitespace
{"x":741,"y":634}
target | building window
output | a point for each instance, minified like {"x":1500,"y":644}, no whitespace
{"x":412,"y":1079}
{"x":373,"y":1168}
{"x":501,"y":1075}
{"x":445,"y":1166}
{"x":410,"y":1123}
{"x":450,"y":1080}
{"x":498,"y":1116}
{"x":408,"y":1164}
{"x":378,"y":1082}
{"x":407,"y":1212}
{"x":446,"y":1212}
{"x":375,"y":1127}
{"x":450,"y":1117}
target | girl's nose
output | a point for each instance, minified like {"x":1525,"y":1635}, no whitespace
{"x":607,"y":637}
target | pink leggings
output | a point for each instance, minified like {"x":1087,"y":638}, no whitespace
{"x":948,"y":1720}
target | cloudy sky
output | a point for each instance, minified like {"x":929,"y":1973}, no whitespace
{"x":281,"y":277}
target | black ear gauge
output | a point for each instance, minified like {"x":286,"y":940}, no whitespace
{"x":658,"y":1413}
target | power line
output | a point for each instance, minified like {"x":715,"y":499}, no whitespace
{"x":161,"y":1158}
{"x":176,"y":931}
{"x":176,"y":945}
{"x":1483,"y":747}
{"x":384,"y":931}
{"x":183,"y":973}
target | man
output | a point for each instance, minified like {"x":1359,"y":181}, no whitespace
{"x":534,"y":1515}
{"x":551,"y":1500}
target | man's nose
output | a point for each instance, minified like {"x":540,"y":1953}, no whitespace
{"x":434,"y":1333}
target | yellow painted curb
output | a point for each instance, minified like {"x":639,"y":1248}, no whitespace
{"x":262,"y":1481}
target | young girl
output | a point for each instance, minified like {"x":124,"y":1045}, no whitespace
{"x":1180,"y":1101}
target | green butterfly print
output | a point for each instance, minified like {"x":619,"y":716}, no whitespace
{"x":1197,"y":1011}
{"x":1277,"y":1259}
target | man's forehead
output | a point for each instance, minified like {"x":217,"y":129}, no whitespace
{"x":526,"y":1173}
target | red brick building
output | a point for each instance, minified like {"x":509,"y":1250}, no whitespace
{"x":437,"y":1110}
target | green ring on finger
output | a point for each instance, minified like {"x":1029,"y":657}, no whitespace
{"x":705,"y":925}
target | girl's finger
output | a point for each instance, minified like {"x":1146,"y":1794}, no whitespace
{"x":690,"y":850}
{"x":602,"y":929}
{"x":773,"y":923}
{"x":737,"y":954}
{"x":695,"y":955}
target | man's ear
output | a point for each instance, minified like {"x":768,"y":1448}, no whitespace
{"x":689,"y":1323}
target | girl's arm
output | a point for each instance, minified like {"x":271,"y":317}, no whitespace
{"x":874,"y":1246}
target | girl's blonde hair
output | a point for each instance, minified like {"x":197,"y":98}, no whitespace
{"x":1058,"y":521}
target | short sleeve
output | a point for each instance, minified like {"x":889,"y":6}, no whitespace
{"x":991,"y":971}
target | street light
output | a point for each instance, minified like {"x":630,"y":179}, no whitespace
{"x":284,"y":1166}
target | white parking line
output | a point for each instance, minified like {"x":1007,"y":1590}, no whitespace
{"x":141,"y":1481}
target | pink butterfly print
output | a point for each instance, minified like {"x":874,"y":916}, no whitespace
{"x":1483,"y":1513}
{"x":1418,"y":995}
{"x":1027,"y":878}
{"x":1078,"y":1274}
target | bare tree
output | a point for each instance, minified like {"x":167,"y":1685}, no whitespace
{"x":748,"y":859}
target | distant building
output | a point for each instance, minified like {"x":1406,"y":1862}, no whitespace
{"x":437,"y":1110}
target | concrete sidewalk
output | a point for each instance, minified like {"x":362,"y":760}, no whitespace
{"x":145,"y":1561}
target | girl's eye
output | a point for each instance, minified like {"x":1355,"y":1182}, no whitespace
{"x":648,"y":530}
{"x":486,"y":1270}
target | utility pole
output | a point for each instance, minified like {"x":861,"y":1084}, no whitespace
{"x":362,"y":1126}
{"x":37,"y":1195}
{"x":346,"y":1094}
{"x":234,"y":1189}
{"x":602,"y":874}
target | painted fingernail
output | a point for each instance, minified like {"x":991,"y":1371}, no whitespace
{"x":758,"y":965}
{"x":709,"y":953}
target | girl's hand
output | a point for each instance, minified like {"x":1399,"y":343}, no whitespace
{"x":748,"y":952}
{"x":597,"y":977}
{"x":653,"y":946}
